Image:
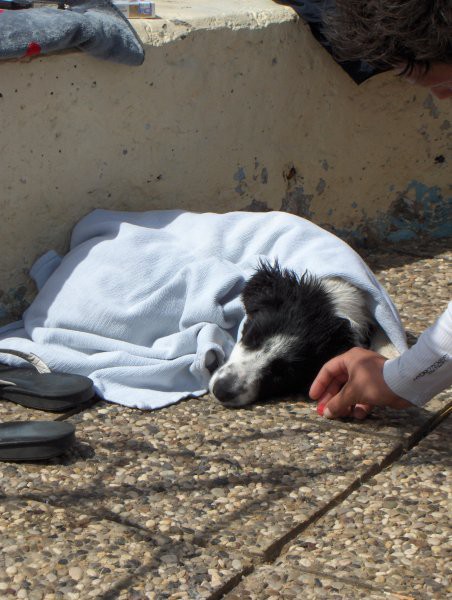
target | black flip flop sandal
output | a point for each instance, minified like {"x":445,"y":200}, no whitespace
{"x":35,"y":440}
{"x":42,"y":389}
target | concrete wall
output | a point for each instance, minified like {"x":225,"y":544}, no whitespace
{"x":233,"y":108}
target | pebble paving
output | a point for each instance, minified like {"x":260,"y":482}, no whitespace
{"x":187,"y":501}
{"x":390,"y":537}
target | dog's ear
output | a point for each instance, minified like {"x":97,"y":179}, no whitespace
{"x":265,"y":289}
{"x":336,"y":339}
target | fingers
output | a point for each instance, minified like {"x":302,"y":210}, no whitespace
{"x":361,"y":411}
{"x":328,"y":388}
{"x":357,"y":411}
{"x":329,"y":380}
{"x":340,"y":405}
{"x":351,"y":383}
{"x":321,"y":406}
{"x":332,"y":389}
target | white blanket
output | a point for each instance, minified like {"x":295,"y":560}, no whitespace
{"x":144,"y":303}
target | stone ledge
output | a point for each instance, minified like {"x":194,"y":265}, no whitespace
{"x":176,"y":19}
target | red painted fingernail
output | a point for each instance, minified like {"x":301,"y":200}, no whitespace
{"x":33,"y":49}
{"x":320,"y":409}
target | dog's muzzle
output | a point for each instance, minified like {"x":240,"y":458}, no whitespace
{"x":229,"y":389}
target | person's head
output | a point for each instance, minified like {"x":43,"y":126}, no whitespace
{"x":413,"y":36}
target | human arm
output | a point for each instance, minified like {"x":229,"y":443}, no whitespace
{"x":425,"y":369}
{"x":350,"y":384}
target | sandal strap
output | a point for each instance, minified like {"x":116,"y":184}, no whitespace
{"x":34,"y":360}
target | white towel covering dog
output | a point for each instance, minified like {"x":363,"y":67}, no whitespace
{"x":144,"y":303}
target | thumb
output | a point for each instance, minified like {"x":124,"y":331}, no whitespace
{"x":339,"y":405}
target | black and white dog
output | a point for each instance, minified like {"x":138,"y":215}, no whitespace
{"x":293,"y":326}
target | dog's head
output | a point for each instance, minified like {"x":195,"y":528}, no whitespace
{"x":291,"y":330}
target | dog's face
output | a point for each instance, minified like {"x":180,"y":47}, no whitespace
{"x":291,"y":330}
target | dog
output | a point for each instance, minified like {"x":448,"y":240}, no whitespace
{"x":293,"y":326}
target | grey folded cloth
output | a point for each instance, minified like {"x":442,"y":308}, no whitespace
{"x":94,"y":26}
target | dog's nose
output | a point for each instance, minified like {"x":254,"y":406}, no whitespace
{"x":225,"y":388}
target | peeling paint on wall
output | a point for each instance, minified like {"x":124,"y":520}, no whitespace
{"x":296,"y":200}
{"x":240,"y":176}
{"x":418,"y":212}
{"x":257,"y":206}
{"x":321,"y":186}
{"x":13,"y":302}
{"x":429,"y":103}
{"x":260,"y":176}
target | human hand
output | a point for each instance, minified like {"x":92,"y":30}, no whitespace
{"x":351,"y":384}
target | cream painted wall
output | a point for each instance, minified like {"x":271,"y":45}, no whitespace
{"x":231,"y":109}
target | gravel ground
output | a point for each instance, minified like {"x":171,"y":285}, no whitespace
{"x":183,"y":502}
{"x":391,"y":537}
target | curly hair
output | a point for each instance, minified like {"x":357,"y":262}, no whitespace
{"x":390,"y":33}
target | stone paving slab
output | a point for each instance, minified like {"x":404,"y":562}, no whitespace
{"x":9,"y":411}
{"x":293,"y":583}
{"x":441,"y":436}
{"x":198,"y":478}
{"x":391,"y":537}
{"x":59,"y":553}
{"x":399,"y":425}
{"x":204,"y":467}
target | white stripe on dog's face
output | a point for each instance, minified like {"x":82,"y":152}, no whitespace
{"x":236,"y":383}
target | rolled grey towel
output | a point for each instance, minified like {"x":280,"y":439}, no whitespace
{"x":94,"y":26}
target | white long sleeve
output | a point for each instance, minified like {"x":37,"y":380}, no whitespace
{"x":425,"y":369}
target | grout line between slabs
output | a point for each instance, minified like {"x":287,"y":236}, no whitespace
{"x":276,"y":549}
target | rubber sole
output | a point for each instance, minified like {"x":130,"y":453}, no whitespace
{"x":51,"y":392}
{"x":54,"y":405}
{"x":35,"y":440}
